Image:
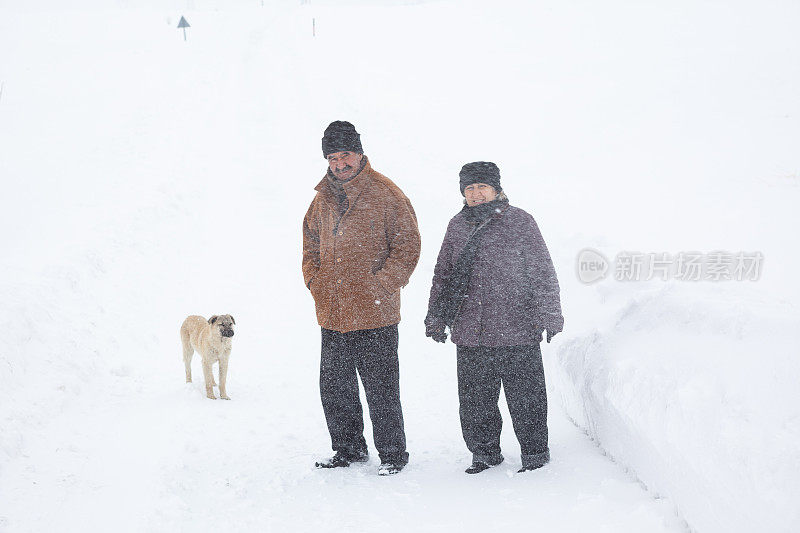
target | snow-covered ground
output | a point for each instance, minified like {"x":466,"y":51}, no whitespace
{"x":146,"y":178}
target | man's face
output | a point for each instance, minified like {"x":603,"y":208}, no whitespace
{"x":345,"y":165}
{"x":479,"y":193}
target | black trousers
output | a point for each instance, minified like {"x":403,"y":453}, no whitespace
{"x":372,"y":353}
{"x":481,"y":370}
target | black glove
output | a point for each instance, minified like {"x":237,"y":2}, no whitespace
{"x":436,"y":332}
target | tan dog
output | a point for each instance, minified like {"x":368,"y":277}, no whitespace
{"x":212,"y":340}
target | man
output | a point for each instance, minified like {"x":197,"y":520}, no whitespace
{"x":360,"y":246}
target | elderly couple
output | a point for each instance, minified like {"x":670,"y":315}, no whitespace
{"x":494,"y":287}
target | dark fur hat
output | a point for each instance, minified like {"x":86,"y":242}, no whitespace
{"x":341,"y":136}
{"x":480,"y":172}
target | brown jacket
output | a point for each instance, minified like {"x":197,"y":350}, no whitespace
{"x":356,"y":265}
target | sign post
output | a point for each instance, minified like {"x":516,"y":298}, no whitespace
{"x":183,"y":24}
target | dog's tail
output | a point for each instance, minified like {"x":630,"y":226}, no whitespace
{"x":185,"y":336}
{"x":188,"y":352}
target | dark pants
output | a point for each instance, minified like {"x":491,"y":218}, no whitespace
{"x":373,"y":353}
{"x":481,"y":370}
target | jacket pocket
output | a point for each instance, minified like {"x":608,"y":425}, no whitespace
{"x":379,"y":261}
{"x":382,"y":296}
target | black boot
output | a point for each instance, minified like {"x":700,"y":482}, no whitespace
{"x":341,"y":459}
{"x":478,"y":466}
{"x":528,"y":468}
{"x":532,"y":462}
{"x":390,"y":468}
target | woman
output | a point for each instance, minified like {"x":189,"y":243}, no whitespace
{"x":494,"y":286}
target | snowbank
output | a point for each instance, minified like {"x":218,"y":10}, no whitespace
{"x":694,"y":388}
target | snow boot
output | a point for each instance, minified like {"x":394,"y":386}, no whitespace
{"x":390,"y":468}
{"x":479,"y":465}
{"x":532,"y":462}
{"x":341,"y":459}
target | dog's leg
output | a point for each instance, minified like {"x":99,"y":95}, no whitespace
{"x":188,"y":352}
{"x":223,"y":375}
{"x":209,"y":379}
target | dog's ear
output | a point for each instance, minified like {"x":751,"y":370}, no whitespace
{"x":213,"y":319}
{"x":232,"y":320}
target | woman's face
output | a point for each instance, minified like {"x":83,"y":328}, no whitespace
{"x":479,"y":193}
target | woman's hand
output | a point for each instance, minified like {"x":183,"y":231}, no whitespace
{"x":552,"y":330}
{"x":436,"y":332}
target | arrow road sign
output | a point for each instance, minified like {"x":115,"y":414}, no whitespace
{"x":183,"y":24}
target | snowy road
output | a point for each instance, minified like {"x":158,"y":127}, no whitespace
{"x":152,"y":454}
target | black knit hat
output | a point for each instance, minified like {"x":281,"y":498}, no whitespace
{"x":341,"y":136}
{"x":480,"y":172}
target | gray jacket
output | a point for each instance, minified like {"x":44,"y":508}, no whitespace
{"x":513,"y":293}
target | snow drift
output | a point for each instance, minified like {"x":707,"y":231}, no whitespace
{"x":694,"y":388}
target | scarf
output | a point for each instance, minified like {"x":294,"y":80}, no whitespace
{"x":336,"y":186}
{"x":454,"y":289}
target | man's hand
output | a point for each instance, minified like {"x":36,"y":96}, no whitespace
{"x":436,"y":332}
